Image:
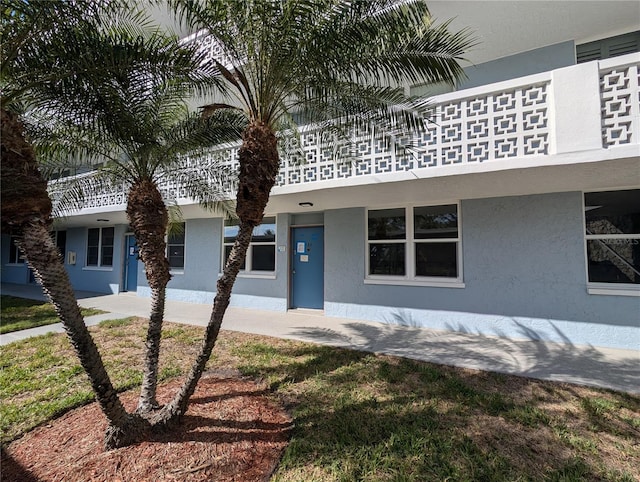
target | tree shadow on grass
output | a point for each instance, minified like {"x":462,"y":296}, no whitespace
{"x":488,"y":426}
{"x":297,"y":363}
{"x":389,"y":418}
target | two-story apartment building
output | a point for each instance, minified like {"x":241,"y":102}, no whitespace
{"x":518,"y":215}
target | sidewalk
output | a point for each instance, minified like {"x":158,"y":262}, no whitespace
{"x":604,"y":367}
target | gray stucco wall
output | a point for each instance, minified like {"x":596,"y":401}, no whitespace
{"x":519,"y":65}
{"x":267,"y":293}
{"x":101,"y":280}
{"x":11,"y":273}
{"x":197,"y":281}
{"x":202,"y":256}
{"x":526,"y":255}
{"x":523,"y":264}
{"x":203,"y":253}
{"x":524,"y":275}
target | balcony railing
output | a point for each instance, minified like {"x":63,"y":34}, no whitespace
{"x":619,"y":98}
{"x":580,"y":108}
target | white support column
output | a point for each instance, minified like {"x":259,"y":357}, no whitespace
{"x":576,"y":108}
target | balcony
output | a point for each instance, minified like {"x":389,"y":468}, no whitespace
{"x":583,"y":113}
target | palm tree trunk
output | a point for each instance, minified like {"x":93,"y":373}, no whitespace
{"x":45,"y":261}
{"x":259,"y":164}
{"x":147,"y":400}
{"x":148,"y":218}
{"x":178,"y":406}
{"x":26,"y":209}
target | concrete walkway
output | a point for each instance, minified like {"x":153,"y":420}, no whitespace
{"x":588,"y":365}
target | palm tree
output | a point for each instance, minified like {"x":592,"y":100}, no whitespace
{"x":144,"y":139}
{"x":334,"y":62}
{"x":53,"y":54}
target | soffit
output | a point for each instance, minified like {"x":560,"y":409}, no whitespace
{"x":508,"y":27}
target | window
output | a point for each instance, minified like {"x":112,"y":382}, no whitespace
{"x":608,"y":47}
{"x":261,"y":254}
{"x":100,"y":247}
{"x":15,"y":256}
{"x":175,"y":248}
{"x":612,"y":222}
{"x":419,"y":244}
{"x":60,"y":238}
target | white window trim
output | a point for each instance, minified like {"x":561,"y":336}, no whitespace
{"x":607,"y":289}
{"x":177,"y":270}
{"x":257,"y":275}
{"x":246,"y":273}
{"x":599,"y":288}
{"x":410,"y":279}
{"x":99,"y":266}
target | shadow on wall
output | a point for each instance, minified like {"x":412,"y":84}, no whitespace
{"x":565,"y":362}
{"x":521,"y":329}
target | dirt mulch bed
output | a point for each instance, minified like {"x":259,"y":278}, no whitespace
{"x":232,"y":431}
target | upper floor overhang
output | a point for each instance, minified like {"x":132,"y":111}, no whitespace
{"x":567,"y":129}
{"x":505,"y":28}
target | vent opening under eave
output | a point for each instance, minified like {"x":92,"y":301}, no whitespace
{"x":609,"y":47}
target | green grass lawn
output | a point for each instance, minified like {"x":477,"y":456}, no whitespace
{"x":20,"y":314}
{"x":360,"y":416}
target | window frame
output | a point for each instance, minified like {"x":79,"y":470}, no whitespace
{"x":55,"y":237}
{"x":16,"y":258}
{"x":177,"y":269}
{"x":601,"y":287}
{"x":101,"y":246}
{"x":248,"y":273}
{"x":410,"y":241}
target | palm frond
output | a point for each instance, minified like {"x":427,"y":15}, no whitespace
{"x":71,"y":194}
{"x":206,"y":182}
{"x":175,"y":225}
{"x":326,"y":54}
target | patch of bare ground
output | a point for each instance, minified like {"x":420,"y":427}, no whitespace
{"x":233,"y":431}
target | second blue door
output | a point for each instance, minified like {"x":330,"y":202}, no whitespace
{"x":131,"y":265}
{"x":307,"y":276}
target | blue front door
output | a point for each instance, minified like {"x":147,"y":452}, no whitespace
{"x":131,"y":264}
{"x":307,"y":277}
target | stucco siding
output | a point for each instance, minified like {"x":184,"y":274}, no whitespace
{"x":196,"y":283}
{"x":519,"y":65}
{"x":248,"y":291}
{"x":12,"y":273}
{"x":203,"y":253}
{"x":523,"y":262}
{"x":524,"y":277}
{"x":100,"y":280}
